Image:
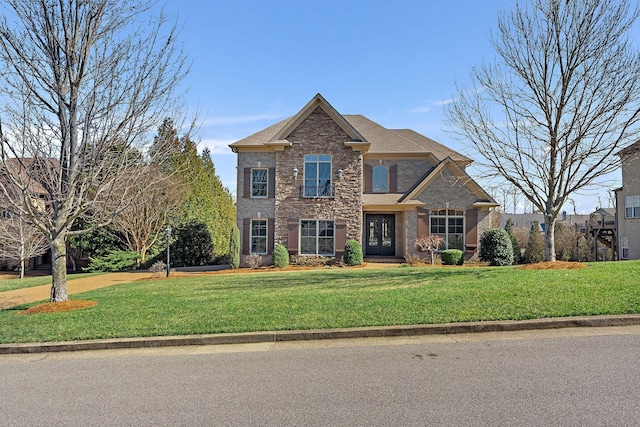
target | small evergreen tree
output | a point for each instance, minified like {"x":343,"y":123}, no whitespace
{"x":535,"y":245}
{"x":280,"y":256}
{"x":515,"y":244}
{"x":352,"y":253}
{"x":234,"y":248}
{"x":495,"y":247}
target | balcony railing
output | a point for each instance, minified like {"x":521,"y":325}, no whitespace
{"x":316,"y":191}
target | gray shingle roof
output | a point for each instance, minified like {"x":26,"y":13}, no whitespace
{"x":383,"y":140}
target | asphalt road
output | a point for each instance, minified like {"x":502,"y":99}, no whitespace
{"x":581,"y":377}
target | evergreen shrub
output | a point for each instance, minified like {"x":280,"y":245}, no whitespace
{"x":495,"y":247}
{"x":280,"y":256}
{"x":352,"y":253}
{"x":452,"y":257}
{"x":115,"y":261}
{"x":234,"y":248}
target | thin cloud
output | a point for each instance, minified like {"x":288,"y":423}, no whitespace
{"x":445,"y":102}
{"x":420,"y":110}
{"x":236,"y":120}
{"x":217,"y":146}
{"x":428,"y":106}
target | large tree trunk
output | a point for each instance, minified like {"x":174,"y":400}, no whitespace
{"x":549,"y":240}
{"x":59,"y":267}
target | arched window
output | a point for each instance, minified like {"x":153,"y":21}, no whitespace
{"x":380,"y":179}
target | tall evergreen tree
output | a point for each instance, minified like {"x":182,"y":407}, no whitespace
{"x":206,"y":201}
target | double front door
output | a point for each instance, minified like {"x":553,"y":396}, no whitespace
{"x":380,"y":235}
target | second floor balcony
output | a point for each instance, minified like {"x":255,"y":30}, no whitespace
{"x":317,"y":191}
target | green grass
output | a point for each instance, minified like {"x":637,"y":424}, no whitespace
{"x":333,"y":298}
{"x":28,"y":282}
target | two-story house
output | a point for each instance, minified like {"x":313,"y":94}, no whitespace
{"x":628,"y":204}
{"x":319,"y":178}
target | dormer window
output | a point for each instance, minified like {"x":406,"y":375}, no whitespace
{"x":380,"y":179}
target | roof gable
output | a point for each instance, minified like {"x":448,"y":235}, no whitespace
{"x":483,"y":197}
{"x":317,"y":102}
{"x":275,"y":136}
{"x":629,"y":149}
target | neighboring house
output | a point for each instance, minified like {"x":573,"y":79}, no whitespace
{"x":319,"y":178}
{"x":577,"y":221}
{"x":628,"y":204}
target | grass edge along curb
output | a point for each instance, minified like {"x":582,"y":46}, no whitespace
{"x":282,"y":336}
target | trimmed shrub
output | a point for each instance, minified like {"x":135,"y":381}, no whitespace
{"x":234,"y":248}
{"x":115,"y":261}
{"x":452,"y":257}
{"x":495,"y":247}
{"x":352,"y":253}
{"x":280,"y":256}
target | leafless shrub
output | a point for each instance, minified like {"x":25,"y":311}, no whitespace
{"x":157,"y":268}
{"x":253,"y":260}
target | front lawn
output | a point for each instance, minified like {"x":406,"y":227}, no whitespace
{"x":332,"y":298}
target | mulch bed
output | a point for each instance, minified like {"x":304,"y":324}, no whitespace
{"x":557,"y":265}
{"x":55,"y":307}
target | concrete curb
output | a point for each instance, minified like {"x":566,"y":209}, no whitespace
{"x":369,"y":332}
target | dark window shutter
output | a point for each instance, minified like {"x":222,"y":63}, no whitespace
{"x":272,"y":183}
{"x":292,"y":236}
{"x":393,"y":179}
{"x":246,"y":236}
{"x":341,"y":236}
{"x":423,"y":223}
{"x":368,"y":179}
{"x":247,"y":183}
{"x":271,"y":233}
{"x":471,"y":229}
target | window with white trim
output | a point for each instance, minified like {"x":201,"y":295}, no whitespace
{"x":259,"y":236}
{"x":380,"y":179}
{"x":259,"y":182}
{"x":317,"y":237}
{"x":624,"y":242}
{"x":317,"y":176}
{"x":632,"y":207}
{"x":448,"y":224}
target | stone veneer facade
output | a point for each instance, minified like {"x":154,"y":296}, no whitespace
{"x":319,"y":134}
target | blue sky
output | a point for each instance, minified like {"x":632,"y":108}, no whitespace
{"x":257,"y":62}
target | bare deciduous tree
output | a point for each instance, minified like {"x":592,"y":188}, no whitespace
{"x":85,"y":82}
{"x":562,"y":97}
{"x":21,"y":240}
{"x":145,"y":219}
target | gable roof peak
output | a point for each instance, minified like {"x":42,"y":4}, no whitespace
{"x":315,"y":102}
